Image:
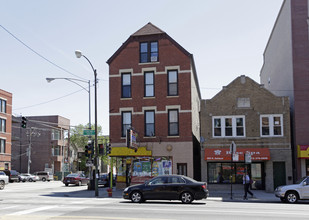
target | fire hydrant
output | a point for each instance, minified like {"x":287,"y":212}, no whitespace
{"x":110,"y":192}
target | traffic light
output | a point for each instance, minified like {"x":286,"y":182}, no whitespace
{"x":88,"y":150}
{"x":108,"y":148}
{"x":23,"y":122}
{"x":101,"y":149}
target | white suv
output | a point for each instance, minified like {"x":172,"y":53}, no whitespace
{"x":4,"y":179}
{"x":44,"y":176}
{"x":292,"y":193}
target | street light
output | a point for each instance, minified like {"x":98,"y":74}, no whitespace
{"x":87,"y":90}
{"x":79,"y":54}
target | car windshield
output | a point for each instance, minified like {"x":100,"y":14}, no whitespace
{"x":300,"y":180}
{"x":72,"y":175}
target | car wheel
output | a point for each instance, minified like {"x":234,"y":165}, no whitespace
{"x":136,"y":197}
{"x":79,"y":183}
{"x":24,"y":180}
{"x":30,"y":180}
{"x":291,"y":197}
{"x":43,"y":179}
{"x":2,"y":184}
{"x":66,"y":184}
{"x":186,"y":197}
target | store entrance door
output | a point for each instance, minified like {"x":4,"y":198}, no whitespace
{"x":279,"y":176}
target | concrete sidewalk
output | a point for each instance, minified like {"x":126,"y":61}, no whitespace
{"x":215,"y":195}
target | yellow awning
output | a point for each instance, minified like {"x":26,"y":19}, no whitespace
{"x":303,"y":151}
{"x":127,"y":152}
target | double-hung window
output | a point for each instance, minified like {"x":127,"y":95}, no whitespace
{"x":2,"y":106}
{"x":173,"y":123}
{"x":271,"y":125}
{"x":172,"y":83}
{"x":2,"y":125}
{"x":150,"y":123}
{"x":228,"y":126}
{"x":126,"y":85}
{"x":149,"y":84}
{"x":126,"y":122}
{"x":2,"y":146}
{"x":149,"y":52}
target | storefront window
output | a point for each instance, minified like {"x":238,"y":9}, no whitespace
{"x":222,"y":172}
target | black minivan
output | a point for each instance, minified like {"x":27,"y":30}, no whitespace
{"x":13,"y":175}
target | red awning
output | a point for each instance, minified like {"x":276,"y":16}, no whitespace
{"x":224,"y":154}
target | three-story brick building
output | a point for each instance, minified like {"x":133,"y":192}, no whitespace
{"x":5,"y":129}
{"x":154,"y":91}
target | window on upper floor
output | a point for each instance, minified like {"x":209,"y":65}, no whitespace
{"x":2,"y":146}
{"x":172,"y":76}
{"x":126,"y":120}
{"x":55,"y":135}
{"x":173,"y":124}
{"x":56,"y":151}
{"x":271,"y":125}
{"x":2,"y":106}
{"x":149,"y":52}
{"x":150,"y":123}
{"x":149,"y":84}
{"x":2,"y":125}
{"x":228,"y":126}
{"x":126,"y":85}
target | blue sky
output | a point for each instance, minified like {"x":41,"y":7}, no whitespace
{"x":227,"y":39}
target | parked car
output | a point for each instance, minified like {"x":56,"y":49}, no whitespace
{"x":77,"y":179}
{"x":292,"y":193}
{"x":28,"y":177}
{"x":44,"y":176}
{"x":13,"y":175}
{"x":4,"y":179}
{"x":167,"y":187}
{"x":103,"y":180}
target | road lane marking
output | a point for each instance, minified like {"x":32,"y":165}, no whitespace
{"x":25,"y":212}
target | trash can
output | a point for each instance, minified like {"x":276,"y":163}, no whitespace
{"x":110,"y":192}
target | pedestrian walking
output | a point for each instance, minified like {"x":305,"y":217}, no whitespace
{"x":246,"y":183}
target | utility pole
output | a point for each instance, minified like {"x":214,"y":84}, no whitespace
{"x":29,"y":150}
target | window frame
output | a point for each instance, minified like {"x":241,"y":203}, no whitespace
{"x":2,"y":146}
{"x":3,"y":106}
{"x":222,"y":126}
{"x":153,"y":124}
{"x":169,"y":84}
{"x":149,"y":52}
{"x":123,"y":131}
{"x":123,"y":86}
{"x":2,"y":125}
{"x":146,"y":84}
{"x":171,"y":123}
{"x":271,"y":125}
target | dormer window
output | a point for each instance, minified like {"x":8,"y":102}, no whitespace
{"x":149,"y":52}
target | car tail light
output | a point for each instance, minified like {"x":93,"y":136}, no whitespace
{"x":204,"y":186}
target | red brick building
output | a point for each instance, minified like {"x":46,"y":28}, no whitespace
{"x":154,"y":90}
{"x":5,"y":129}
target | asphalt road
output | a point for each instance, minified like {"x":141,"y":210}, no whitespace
{"x":52,"y":200}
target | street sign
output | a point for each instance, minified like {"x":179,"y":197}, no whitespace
{"x":247,"y":157}
{"x":88,"y":132}
{"x":89,"y":164}
{"x":233,"y":147}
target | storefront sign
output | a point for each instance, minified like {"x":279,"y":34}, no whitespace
{"x":224,"y":154}
{"x":303,"y":151}
{"x":124,"y":152}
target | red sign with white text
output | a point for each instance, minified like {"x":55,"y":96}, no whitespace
{"x":224,"y":154}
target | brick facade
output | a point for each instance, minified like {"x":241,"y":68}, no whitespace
{"x":6,"y":129}
{"x":261,"y":102}
{"x":171,"y":56}
{"x":47,"y":147}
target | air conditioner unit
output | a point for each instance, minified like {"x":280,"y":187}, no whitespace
{"x":154,"y":59}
